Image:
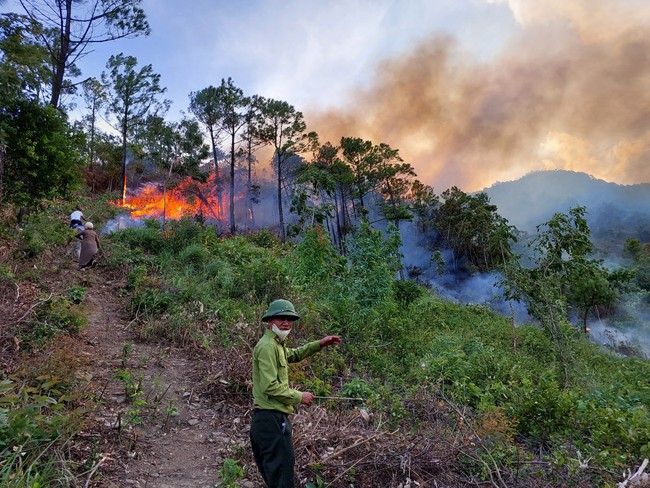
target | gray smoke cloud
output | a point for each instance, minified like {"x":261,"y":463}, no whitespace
{"x":569,"y":91}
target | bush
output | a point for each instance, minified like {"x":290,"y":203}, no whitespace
{"x":76,"y":294}
{"x":264,"y":238}
{"x":41,"y":232}
{"x":407,"y":291}
{"x":33,"y":430}
{"x":182,"y":233}
{"x":151,"y":302}
{"x":147,"y":239}
{"x":56,"y":316}
{"x":315,"y":262}
{"x":194,"y":255}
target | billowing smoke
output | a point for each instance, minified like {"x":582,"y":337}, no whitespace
{"x":568,"y":91}
{"x":628,"y":340}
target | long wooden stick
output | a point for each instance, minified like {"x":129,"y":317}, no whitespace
{"x":338,"y":398}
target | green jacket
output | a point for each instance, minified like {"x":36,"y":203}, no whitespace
{"x":271,"y":373}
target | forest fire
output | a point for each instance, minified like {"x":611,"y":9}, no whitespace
{"x":187,"y":199}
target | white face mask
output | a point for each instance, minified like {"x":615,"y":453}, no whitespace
{"x":282,"y":334}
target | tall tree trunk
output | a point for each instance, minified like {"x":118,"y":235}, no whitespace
{"x":124,"y":163}
{"x":3,"y":154}
{"x":59,"y":69}
{"x":91,"y":151}
{"x":217,"y":177}
{"x":250,"y":216}
{"x":283,"y":236}
{"x":232,"y":183}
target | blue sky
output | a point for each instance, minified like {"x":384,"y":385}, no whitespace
{"x":470,"y":91}
{"x":310,"y":53}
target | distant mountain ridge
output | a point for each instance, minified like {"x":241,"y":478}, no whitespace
{"x":614,"y":212}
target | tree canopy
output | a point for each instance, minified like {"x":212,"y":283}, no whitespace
{"x":69,"y":29}
{"x":42,"y":153}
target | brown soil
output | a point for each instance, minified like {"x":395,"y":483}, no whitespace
{"x":183,"y":436}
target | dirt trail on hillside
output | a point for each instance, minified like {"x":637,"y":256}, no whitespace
{"x":167,"y":434}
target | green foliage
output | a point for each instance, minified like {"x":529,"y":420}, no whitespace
{"x":230,"y":473}
{"x":134,"y":397}
{"x":374,"y":260}
{"x":564,"y":276}
{"x":41,"y":156}
{"x":183,"y":232}
{"x":151,"y":302}
{"x":76,"y":293}
{"x":136,"y":277}
{"x":542,"y":408}
{"x":529,"y":388}
{"x":316,"y":263}
{"x":24,"y":67}
{"x":639,"y":254}
{"x":41,"y":232}
{"x":33,"y":427}
{"x":318,"y":483}
{"x":474,"y":230}
{"x":147,"y":239}
{"x":56,"y":316}
{"x":356,"y":388}
{"x":407,"y":291}
{"x":6,"y":273}
{"x":194,"y":256}
{"x":263,"y":238}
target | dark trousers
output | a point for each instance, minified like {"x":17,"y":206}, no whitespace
{"x":273,"y":448}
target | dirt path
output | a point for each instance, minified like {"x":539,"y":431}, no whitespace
{"x":168,"y":434}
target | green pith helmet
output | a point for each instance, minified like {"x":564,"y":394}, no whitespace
{"x":280,"y":308}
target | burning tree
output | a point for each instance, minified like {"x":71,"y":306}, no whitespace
{"x":249,"y":143}
{"x":133,"y":95}
{"x":177,"y":148}
{"x":233,"y":106}
{"x":204,"y":104}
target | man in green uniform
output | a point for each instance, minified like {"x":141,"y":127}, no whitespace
{"x":273,"y":398}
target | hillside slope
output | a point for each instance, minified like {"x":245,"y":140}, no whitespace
{"x":151,"y":352}
{"x":166,"y":416}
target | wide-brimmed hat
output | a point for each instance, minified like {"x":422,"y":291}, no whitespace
{"x":280,"y":308}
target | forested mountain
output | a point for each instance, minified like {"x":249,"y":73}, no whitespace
{"x":614,"y":212}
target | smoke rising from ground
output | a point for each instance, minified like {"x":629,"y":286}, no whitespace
{"x":570,"y":91}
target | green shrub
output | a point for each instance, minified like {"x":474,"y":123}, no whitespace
{"x":151,"y":302}
{"x":41,"y":231}
{"x":76,"y":293}
{"x":407,"y":291}
{"x":194,"y":255}
{"x":356,"y":388}
{"x":182,"y":233}
{"x":542,"y":409}
{"x":230,"y":473}
{"x":33,"y":429}
{"x":315,"y":262}
{"x":146,"y":239}
{"x":374,"y":260}
{"x":136,"y":277}
{"x":56,"y":316}
{"x":264,"y":238}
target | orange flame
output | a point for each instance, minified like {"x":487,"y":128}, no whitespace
{"x":187,"y":199}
